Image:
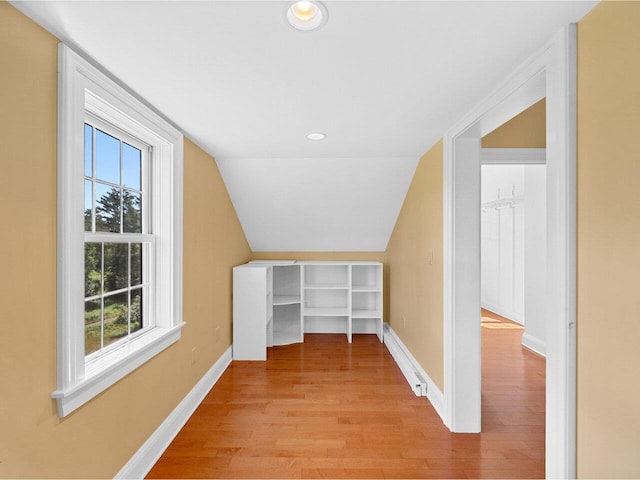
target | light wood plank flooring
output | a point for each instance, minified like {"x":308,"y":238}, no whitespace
{"x":329,"y":409}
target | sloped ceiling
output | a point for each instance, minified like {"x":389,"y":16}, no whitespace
{"x":382,"y":79}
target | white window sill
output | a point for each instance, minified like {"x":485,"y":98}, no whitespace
{"x":103,"y":372}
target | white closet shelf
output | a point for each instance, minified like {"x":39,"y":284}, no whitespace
{"x":327,"y":312}
{"x":286,"y":299}
{"x":327,"y":286}
{"x":366,"y":314}
{"x":285,"y":336}
{"x":365,"y":288}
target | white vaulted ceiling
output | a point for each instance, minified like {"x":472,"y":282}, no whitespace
{"x":383,"y":79}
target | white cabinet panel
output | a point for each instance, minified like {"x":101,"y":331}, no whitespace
{"x":252,"y":311}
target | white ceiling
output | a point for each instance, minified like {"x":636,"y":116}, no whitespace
{"x":383,"y":79}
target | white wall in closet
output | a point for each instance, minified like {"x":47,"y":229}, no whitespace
{"x":513,"y":248}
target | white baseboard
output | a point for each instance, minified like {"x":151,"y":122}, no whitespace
{"x":534,"y":344}
{"x":418,"y":379}
{"x":511,"y":315}
{"x":149,"y":453}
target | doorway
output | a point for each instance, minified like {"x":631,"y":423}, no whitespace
{"x":550,"y":73}
{"x":513,"y":223}
{"x":513,"y":271}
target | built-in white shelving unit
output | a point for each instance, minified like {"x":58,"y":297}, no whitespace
{"x":303,"y":297}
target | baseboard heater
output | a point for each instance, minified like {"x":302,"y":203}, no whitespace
{"x":398,"y":351}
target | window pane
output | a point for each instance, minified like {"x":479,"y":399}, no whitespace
{"x":136,"y":264}
{"x":88,"y":203}
{"x":107,"y":208}
{"x":88,"y":150}
{"x":116,"y":266}
{"x":92,"y":329}
{"x":107,"y":158}
{"x":136,"y":310}
{"x":112,"y":203}
{"x":131,"y":167}
{"x":116,"y":317}
{"x":132,"y":218}
{"x":92,"y":269}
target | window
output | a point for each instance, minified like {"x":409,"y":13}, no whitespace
{"x":116,"y":249}
{"x":119,"y":233}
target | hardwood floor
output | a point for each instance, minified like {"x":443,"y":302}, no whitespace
{"x":329,"y":409}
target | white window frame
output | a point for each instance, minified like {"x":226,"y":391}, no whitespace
{"x":83,"y":89}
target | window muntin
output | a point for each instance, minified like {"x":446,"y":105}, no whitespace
{"x":117,"y":280}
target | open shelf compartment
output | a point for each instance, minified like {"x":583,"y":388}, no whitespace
{"x":366,"y":304}
{"x":286,"y":284}
{"x":366,"y":277}
{"x":287,"y":327}
{"x":326,"y":276}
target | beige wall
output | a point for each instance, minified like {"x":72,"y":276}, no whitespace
{"x":608,"y":324}
{"x":416,"y":285}
{"x":526,"y":130}
{"x":214,"y":242}
{"x":101,"y":436}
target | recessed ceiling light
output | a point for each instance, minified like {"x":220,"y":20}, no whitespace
{"x":316,"y":136}
{"x":306,"y":15}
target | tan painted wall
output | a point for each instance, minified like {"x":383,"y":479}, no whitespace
{"x":608,"y":324}
{"x":526,"y":130}
{"x":100,"y":437}
{"x":339,"y":256}
{"x":416,"y":286}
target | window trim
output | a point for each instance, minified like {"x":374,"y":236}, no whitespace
{"x":83,"y":89}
